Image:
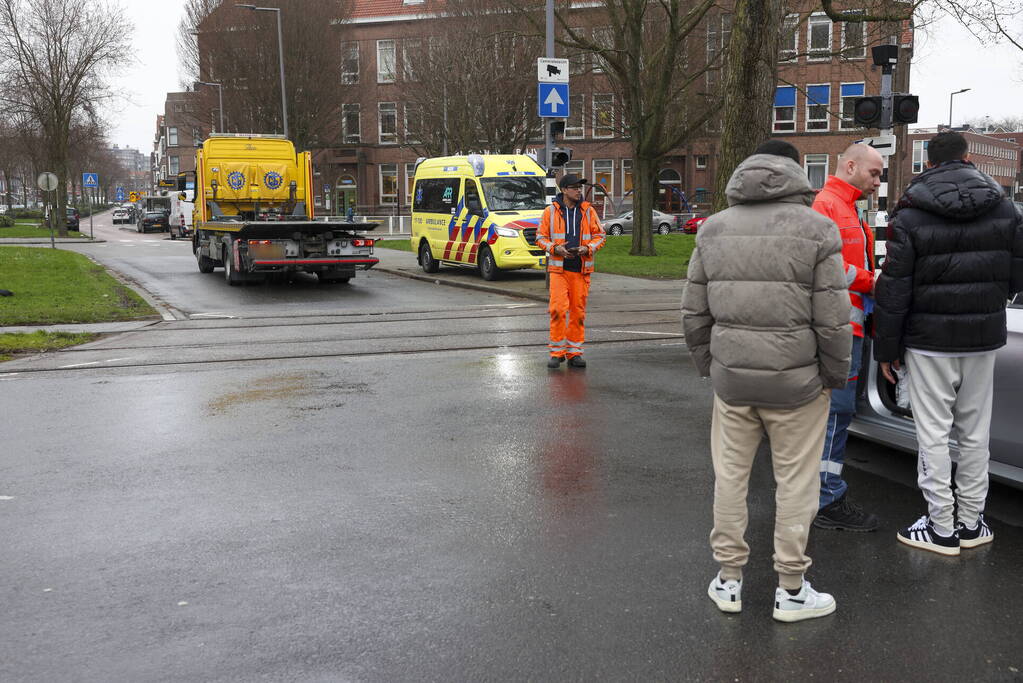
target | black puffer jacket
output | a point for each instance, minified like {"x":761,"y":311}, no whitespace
{"x":954,"y":256}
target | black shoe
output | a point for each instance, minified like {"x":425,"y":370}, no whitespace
{"x":921,"y":534}
{"x":576,"y":362}
{"x":844,"y":515}
{"x":555,"y":362}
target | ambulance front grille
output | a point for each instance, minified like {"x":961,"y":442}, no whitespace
{"x":530,"y":235}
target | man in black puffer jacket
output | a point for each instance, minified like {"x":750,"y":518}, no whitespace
{"x":954,"y":256}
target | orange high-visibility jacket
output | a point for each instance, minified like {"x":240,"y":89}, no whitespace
{"x":591,"y":234}
{"x":836,"y":201}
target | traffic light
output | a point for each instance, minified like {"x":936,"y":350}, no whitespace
{"x":557,"y":128}
{"x":867,"y":111}
{"x":905,"y":109}
{"x":560,"y":156}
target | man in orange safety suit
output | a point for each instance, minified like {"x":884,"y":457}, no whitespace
{"x":570,"y":233}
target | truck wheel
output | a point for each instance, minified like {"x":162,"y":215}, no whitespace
{"x":206,"y":264}
{"x":487,"y":265}
{"x":426,"y":259}
{"x":229,"y":273}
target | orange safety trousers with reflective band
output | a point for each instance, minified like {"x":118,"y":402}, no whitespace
{"x":568,"y":312}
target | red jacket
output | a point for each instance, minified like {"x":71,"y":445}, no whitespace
{"x":837,"y":201}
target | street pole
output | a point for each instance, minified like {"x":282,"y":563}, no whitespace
{"x":280,"y":55}
{"x":950,"y":96}
{"x":886,"y":124}
{"x":547,"y":142}
{"x":92,"y":210}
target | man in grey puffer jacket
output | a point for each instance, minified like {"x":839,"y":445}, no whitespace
{"x":766,"y":316}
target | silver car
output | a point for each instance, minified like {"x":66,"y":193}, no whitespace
{"x":622,"y":223}
{"x":879,"y":419}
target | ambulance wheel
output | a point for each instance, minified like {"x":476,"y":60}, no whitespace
{"x":487,"y":265}
{"x":663,"y":229}
{"x":426,"y":259}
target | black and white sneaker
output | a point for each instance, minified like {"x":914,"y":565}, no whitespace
{"x":978,"y":535}
{"x":727,"y":595}
{"x":807,"y":604}
{"x":921,"y":534}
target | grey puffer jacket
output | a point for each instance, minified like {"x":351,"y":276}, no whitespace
{"x":766,"y":309}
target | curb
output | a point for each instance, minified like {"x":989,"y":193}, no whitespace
{"x":463,"y":285}
{"x":166,"y":311}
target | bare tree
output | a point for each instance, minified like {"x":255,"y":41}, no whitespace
{"x":57,"y":52}
{"x":238,"y":48}
{"x":655,"y":60}
{"x":468,"y":86}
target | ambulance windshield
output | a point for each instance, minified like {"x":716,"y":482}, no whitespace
{"x":516,"y":193}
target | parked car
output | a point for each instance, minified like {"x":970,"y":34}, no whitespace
{"x":121,"y":216}
{"x":73,"y":218}
{"x":691,"y":226}
{"x":621,"y":224}
{"x":878,"y":417}
{"x":153,"y":220}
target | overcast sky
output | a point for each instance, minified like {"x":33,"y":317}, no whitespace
{"x":950,"y":59}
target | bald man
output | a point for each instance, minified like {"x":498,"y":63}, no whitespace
{"x":858,"y":176}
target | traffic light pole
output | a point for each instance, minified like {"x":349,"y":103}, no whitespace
{"x":886,"y":129}
{"x":547,"y":142}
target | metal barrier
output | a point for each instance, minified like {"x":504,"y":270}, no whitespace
{"x":390,"y":226}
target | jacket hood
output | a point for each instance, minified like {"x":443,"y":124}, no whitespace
{"x":560,"y":201}
{"x":768,"y":177}
{"x":955,"y":189}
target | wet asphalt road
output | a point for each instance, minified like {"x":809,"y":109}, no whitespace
{"x":408,"y":494}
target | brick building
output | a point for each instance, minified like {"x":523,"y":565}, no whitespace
{"x":178,"y":131}
{"x":825,"y":66}
{"x":997,"y":154}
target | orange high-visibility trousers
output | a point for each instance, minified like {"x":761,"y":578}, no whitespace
{"x":568,"y":313}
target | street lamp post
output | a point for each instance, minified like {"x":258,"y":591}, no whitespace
{"x":280,"y":55}
{"x":950,"y":104}
{"x":220,"y":98}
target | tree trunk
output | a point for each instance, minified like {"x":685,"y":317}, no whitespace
{"x":644,"y":184}
{"x":751,"y":72}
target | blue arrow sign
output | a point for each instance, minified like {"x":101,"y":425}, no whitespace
{"x":90,"y":180}
{"x":552,"y":100}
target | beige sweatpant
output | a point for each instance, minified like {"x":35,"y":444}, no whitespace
{"x":797,"y":438}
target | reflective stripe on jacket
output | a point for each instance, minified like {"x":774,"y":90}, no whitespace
{"x":837,"y":201}
{"x":550,"y":236}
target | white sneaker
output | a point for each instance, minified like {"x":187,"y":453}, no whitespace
{"x":727,"y":595}
{"x":809,"y":604}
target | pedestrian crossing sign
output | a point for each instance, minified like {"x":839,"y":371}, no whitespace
{"x":90,"y":180}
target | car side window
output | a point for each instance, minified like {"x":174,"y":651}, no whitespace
{"x":436,"y":195}
{"x":472,"y":198}
{"x":1016,"y":301}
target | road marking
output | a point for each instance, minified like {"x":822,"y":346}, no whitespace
{"x":211,"y":315}
{"x":114,"y":360}
{"x":674,"y":344}
{"x":9,"y":374}
{"x":659,"y":334}
{"x":79,"y":365}
{"x":6,"y":497}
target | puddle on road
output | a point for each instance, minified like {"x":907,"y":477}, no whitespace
{"x":284,"y":387}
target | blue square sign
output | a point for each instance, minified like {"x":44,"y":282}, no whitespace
{"x":90,"y":180}
{"x":552,"y":100}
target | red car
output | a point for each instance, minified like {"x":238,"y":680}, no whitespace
{"x":693,"y":224}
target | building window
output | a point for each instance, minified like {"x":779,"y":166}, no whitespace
{"x":388,"y":183}
{"x":850,"y":91}
{"x":409,"y":49}
{"x":853,"y":44}
{"x":172,"y":137}
{"x":410,"y":179}
{"x":577,"y":60}
{"x":701,"y":161}
{"x":919,"y":155}
{"x":816,"y":166}
{"x":818,"y":36}
{"x":576,"y":116}
{"x":604,"y":174}
{"x":349,"y":62}
{"x":196,"y":136}
{"x":172,"y":166}
{"x":388,"y":122}
{"x":351,"y":124}
{"x":817,"y":99}
{"x":790,"y":37}
{"x":603,"y":115}
{"x":575,"y":167}
{"x":603,"y":37}
{"x":626,"y":177}
{"x":784,"y":109}
{"x":385,"y":61}
{"x":413,"y":122}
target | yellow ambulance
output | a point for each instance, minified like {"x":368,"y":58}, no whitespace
{"x":479,"y":210}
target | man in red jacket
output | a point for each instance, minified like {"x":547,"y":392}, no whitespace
{"x":858,"y":176}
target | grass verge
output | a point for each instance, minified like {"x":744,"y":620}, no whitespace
{"x":52,"y":286}
{"x":32,"y":229}
{"x":671,"y":262}
{"x":37,"y":342}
